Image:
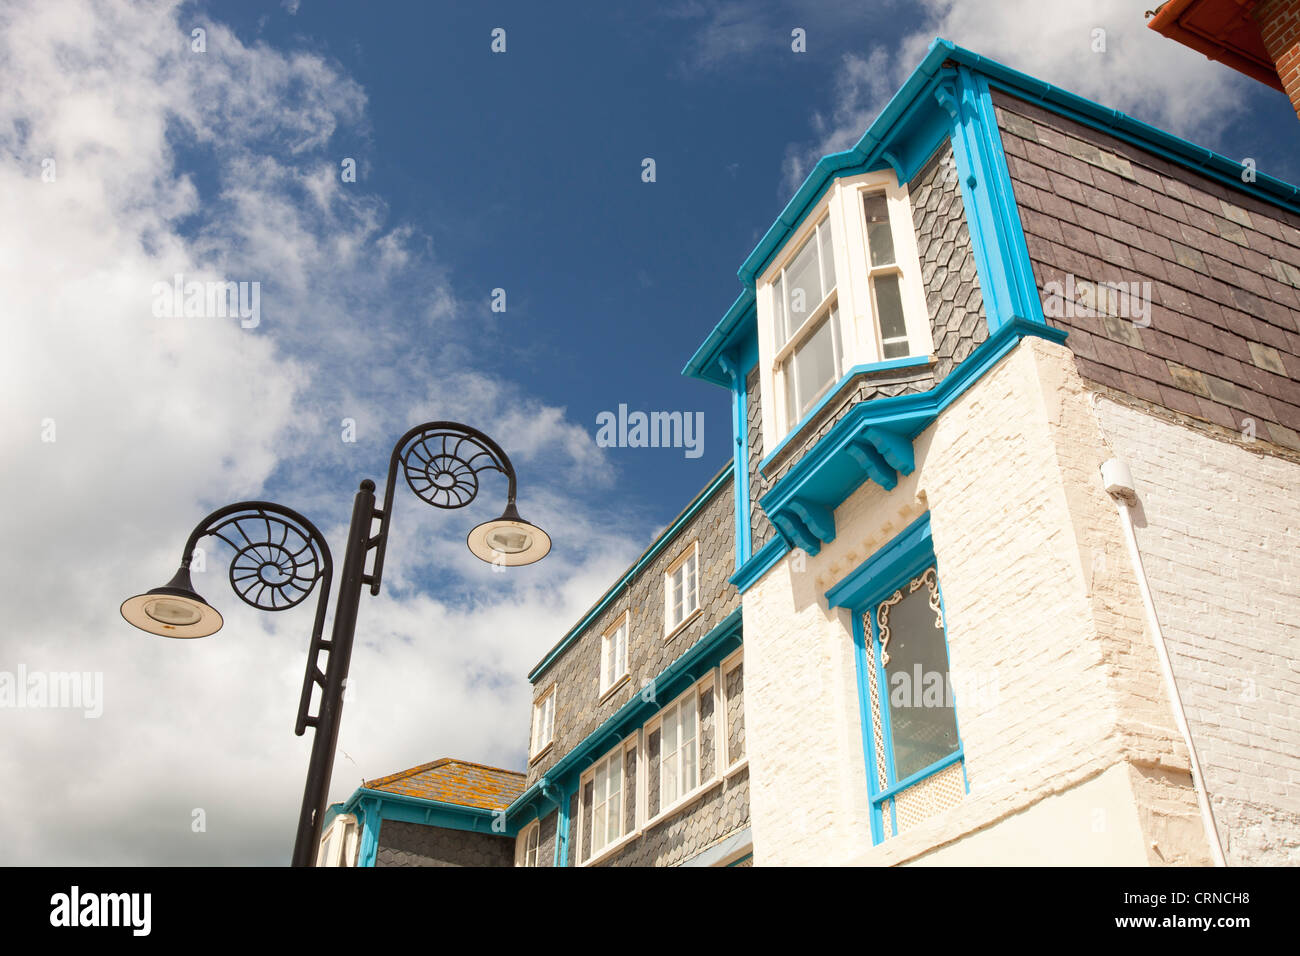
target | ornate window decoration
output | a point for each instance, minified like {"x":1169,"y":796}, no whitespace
{"x":915,"y":761}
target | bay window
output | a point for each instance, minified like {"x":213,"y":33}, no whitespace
{"x":806,"y":322}
{"x":846,"y":292}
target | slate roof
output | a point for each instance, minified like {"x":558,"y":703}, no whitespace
{"x":455,"y":781}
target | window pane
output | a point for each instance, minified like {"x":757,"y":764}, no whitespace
{"x":791,"y":393}
{"x":598,"y":828}
{"x":880,"y":240}
{"x":690,"y":768}
{"x":827,"y":257}
{"x":803,"y":278}
{"x":690,"y":750}
{"x":815,"y":367}
{"x":778,"y":310}
{"x":889,"y":315}
{"x":692,"y":592}
{"x":922,"y":723}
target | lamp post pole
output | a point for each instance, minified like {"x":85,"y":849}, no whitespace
{"x":280,"y":556}
{"x":326,"y":724}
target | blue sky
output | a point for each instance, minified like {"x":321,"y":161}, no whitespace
{"x":476,"y":171}
{"x":523,"y":170}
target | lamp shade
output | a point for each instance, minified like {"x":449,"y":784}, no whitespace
{"x":509,"y":540}
{"x":173,"y":610}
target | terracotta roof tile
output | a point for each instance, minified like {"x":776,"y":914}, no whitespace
{"x":455,"y":781}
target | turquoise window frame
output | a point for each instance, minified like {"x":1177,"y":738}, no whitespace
{"x":894,"y":566}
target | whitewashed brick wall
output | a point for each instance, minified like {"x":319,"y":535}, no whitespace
{"x":1219,"y":532}
{"x":1039,"y":597}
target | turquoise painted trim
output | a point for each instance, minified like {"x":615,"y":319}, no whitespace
{"x":760,"y":563}
{"x":562,"y":830}
{"x":737,"y":862}
{"x":887,"y":365}
{"x":705,"y":653}
{"x":874,"y":440}
{"x":1006,"y":274}
{"x":703,"y":498}
{"x":906,"y":554}
{"x":703,"y":364}
{"x":436,"y":813}
{"x":904,"y":557}
{"x":943,"y":764}
{"x":907,"y":110}
{"x":867,"y":724}
{"x":368,"y":852}
{"x":740,"y":459}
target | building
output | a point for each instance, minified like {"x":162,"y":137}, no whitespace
{"x":1004,"y":569}
{"x":1260,"y":38}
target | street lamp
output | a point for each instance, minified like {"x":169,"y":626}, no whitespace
{"x":280,"y":555}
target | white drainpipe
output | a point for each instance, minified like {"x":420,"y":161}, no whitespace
{"x":1118,"y":480}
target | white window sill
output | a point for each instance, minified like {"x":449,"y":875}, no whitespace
{"x":612,"y":849}
{"x":542,"y":753}
{"x":735,"y":768}
{"x":685,"y":623}
{"x":608,"y":691}
{"x":680,"y":803}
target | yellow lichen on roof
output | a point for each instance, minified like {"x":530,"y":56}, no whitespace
{"x":455,"y":781}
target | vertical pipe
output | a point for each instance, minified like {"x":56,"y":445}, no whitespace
{"x":1171,"y":685}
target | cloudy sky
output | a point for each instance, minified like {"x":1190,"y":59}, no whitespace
{"x":127,"y":157}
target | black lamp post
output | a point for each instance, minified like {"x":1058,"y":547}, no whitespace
{"x":280,"y":555}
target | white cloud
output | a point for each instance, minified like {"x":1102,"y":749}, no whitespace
{"x":159,"y":420}
{"x":1140,"y":72}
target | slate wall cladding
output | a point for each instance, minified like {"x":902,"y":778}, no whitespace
{"x":579,"y":709}
{"x":715,"y":815}
{"x":652,"y":772}
{"x":706,"y":744}
{"x":573,"y":830}
{"x":1223,"y":344}
{"x":546,"y":840}
{"x":412,"y":844}
{"x":760,"y":529}
{"x":952,"y":290}
{"x":735,"y":687}
{"x":629,"y":792}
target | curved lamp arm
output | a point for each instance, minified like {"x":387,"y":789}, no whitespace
{"x":442,"y":462}
{"x":279,"y":557}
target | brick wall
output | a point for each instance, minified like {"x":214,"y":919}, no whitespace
{"x":1219,"y":531}
{"x":576,"y":673}
{"x":1223,"y":343}
{"x":412,"y":844}
{"x":1279,"y":27}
